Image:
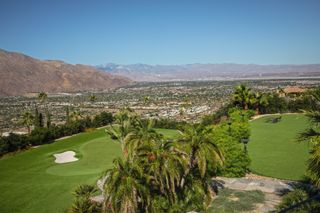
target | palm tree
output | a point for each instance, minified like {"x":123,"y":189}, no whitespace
{"x":202,"y":150}
{"x":124,"y":188}
{"x":84,"y":190}
{"x":42,"y":97}
{"x":258,"y":100}
{"x":125,"y":120}
{"x":28,"y":120}
{"x":146,"y":100}
{"x":158,"y":175}
{"x":242,"y":96}
{"x":143,"y":133}
{"x":314,"y":165}
{"x":93,"y":98}
{"x":67,"y":115}
{"x":75,"y":115}
{"x":164,"y":165}
{"x":82,"y":203}
{"x":313,"y":135}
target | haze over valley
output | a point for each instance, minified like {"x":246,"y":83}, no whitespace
{"x":144,"y":72}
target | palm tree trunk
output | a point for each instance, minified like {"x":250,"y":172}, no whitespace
{"x":246,"y":106}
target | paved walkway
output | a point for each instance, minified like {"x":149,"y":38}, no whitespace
{"x":272,"y":188}
{"x":264,"y":185}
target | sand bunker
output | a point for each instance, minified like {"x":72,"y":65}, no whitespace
{"x":65,"y":157}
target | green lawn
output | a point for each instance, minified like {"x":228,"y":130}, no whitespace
{"x":274,"y":149}
{"x":30,"y":181}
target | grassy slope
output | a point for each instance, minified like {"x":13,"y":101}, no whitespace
{"x":31,"y":182}
{"x":274,"y":150}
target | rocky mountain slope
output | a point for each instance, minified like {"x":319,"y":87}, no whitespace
{"x":20,"y":74}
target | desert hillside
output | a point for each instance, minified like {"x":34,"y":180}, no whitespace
{"x":20,"y":74}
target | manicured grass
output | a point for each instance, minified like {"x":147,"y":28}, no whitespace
{"x":274,"y":149}
{"x":229,"y":200}
{"x":30,"y":181}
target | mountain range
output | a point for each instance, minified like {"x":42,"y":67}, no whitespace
{"x":21,"y":74}
{"x":144,"y":72}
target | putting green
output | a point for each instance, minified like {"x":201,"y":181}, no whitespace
{"x":274,"y":149}
{"x":31,"y":182}
{"x":90,"y":162}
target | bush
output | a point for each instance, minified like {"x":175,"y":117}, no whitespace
{"x":13,"y":143}
{"x":302,"y":103}
{"x":276,"y":104}
{"x":166,"y":123}
{"x":297,"y":196}
{"x":41,"y":136}
{"x":237,"y":160}
{"x":103,"y":119}
{"x":228,"y":135}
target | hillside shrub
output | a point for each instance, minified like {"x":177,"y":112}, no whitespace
{"x":12,"y":143}
{"x":237,"y":160}
{"x":103,"y":119}
{"x":166,"y":123}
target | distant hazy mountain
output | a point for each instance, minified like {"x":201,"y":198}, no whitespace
{"x":20,"y":74}
{"x":143,"y":72}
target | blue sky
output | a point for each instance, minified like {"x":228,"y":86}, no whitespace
{"x":163,"y":32}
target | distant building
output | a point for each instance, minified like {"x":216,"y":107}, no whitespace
{"x":291,"y":91}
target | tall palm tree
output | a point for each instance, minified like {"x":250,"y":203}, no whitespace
{"x":28,"y":120}
{"x":143,"y":133}
{"x":146,"y":100}
{"x":75,"y":115}
{"x":124,"y":188}
{"x":258,"y":100}
{"x":125,"y":121}
{"x":165,"y":166}
{"x":93,"y":98}
{"x":42,"y":97}
{"x":196,"y":180}
{"x":202,"y":149}
{"x":242,"y":96}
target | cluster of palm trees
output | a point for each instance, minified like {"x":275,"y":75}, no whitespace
{"x":246,"y":99}
{"x":157,"y":174}
{"x":28,"y":119}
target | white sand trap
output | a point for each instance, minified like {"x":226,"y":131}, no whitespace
{"x":65,"y":157}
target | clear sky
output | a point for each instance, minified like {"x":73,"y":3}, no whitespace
{"x":163,"y":32}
